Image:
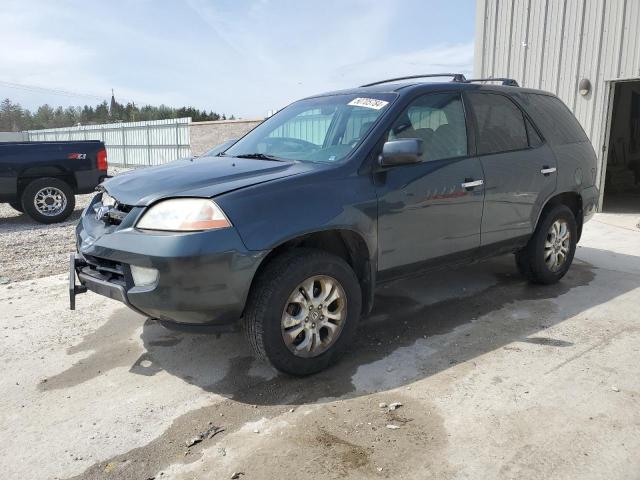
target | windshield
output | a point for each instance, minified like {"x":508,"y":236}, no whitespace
{"x":219,"y":148}
{"x":322,"y":129}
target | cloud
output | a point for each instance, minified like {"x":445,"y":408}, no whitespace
{"x":234,"y":57}
{"x":275,"y":53}
{"x":35,"y":54}
{"x":29,"y":54}
{"x":445,"y":58}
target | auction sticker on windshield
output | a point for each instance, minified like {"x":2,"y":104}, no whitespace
{"x":368,"y":103}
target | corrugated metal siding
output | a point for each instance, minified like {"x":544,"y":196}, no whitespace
{"x":570,"y":51}
{"x":550,"y":61}
{"x":630,"y":41}
{"x":538,"y":11}
{"x":130,"y":143}
{"x":13,"y":137}
{"x":553,"y":44}
{"x":606,"y":70}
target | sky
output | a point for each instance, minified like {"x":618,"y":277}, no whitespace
{"x":230,"y":56}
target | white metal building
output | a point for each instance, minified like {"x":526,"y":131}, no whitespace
{"x":588,"y":53}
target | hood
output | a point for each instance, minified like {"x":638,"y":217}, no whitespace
{"x":197,"y":177}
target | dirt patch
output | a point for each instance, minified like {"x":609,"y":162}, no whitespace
{"x":333,"y":440}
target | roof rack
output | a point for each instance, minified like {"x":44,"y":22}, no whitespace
{"x":457,"y":77}
{"x":509,"y":82}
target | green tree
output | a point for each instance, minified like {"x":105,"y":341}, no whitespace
{"x":14,"y":118}
{"x":11,"y":116}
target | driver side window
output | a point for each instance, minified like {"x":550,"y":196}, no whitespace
{"x":438,"y":120}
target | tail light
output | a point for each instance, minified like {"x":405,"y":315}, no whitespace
{"x":102,"y":160}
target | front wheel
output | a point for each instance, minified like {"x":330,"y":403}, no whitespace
{"x":303,"y":311}
{"x":48,"y":200}
{"x":549,"y":253}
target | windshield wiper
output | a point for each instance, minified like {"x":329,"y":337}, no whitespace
{"x":260,"y":156}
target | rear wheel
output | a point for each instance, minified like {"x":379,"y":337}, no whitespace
{"x":48,"y":200}
{"x":549,"y":253}
{"x":303,"y":311}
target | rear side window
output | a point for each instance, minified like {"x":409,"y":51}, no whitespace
{"x":553,"y":118}
{"x":500,"y":124}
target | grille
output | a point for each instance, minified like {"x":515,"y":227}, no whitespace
{"x":106,"y":269}
{"x":116,"y":215}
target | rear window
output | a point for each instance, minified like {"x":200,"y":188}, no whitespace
{"x":553,"y":118}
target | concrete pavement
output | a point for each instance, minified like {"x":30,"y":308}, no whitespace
{"x":497,"y":379}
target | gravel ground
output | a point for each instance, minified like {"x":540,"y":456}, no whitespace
{"x":32,"y":250}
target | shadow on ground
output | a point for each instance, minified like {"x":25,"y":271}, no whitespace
{"x":408,"y":313}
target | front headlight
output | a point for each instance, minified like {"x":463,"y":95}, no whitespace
{"x":184,"y":215}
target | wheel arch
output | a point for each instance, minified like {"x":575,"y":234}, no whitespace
{"x":344,"y":243}
{"x":573,"y":200}
{"x":30,"y":174}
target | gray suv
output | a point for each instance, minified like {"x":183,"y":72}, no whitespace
{"x":288,"y":232}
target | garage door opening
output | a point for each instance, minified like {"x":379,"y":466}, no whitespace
{"x":622,"y":173}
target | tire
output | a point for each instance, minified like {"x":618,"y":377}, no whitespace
{"x":270,"y":306}
{"x":17,"y":206}
{"x":535,"y":262}
{"x":48,"y":193}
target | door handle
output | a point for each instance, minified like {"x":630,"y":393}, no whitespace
{"x":547,"y":170}
{"x":472,"y":183}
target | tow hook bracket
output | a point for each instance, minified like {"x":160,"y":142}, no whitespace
{"x":74,"y":289}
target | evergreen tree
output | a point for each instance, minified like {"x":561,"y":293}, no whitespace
{"x":14,"y":118}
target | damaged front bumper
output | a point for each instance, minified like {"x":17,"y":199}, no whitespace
{"x":93,"y":281}
{"x":199,"y":278}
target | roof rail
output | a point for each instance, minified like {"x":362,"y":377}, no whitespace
{"x":509,"y":82}
{"x":457,"y":77}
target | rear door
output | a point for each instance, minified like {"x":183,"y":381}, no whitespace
{"x":430,"y":211}
{"x":519,"y":168}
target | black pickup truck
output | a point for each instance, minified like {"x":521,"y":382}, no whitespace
{"x":41,"y":179}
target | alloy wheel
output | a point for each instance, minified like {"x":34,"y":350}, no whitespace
{"x":557,"y":245}
{"x":314,"y":316}
{"x":50,"y":201}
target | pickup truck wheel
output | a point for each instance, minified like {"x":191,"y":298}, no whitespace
{"x":549,"y":253}
{"x":303,"y":311}
{"x":48,"y":200}
{"x":17,"y":206}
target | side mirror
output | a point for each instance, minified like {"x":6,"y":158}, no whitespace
{"x":401,"y":152}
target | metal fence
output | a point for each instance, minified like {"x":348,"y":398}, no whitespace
{"x":130,"y":144}
{"x":13,"y":137}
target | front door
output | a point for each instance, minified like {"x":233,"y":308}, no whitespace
{"x":520,"y":170}
{"x":430,"y":211}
